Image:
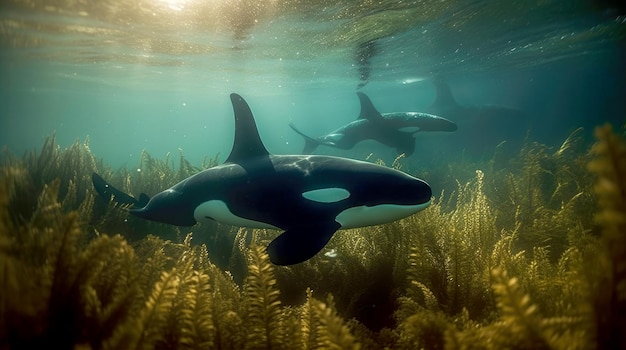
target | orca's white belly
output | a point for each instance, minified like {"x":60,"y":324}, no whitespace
{"x":375,"y":215}
{"x":218,"y":211}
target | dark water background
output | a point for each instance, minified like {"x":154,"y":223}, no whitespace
{"x":156,"y":74}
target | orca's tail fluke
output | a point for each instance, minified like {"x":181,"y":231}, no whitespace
{"x":143,"y":200}
{"x":106,"y":191}
{"x":310,"y":144}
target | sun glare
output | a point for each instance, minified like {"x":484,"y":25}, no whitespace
{"x":176,"y":5}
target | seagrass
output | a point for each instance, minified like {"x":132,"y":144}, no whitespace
{"x":527,"y":254}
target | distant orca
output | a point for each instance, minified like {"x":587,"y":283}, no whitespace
{"x":309,"y":197}
{"x":392,"y":129}
{"x":482,"y":128}
{"x":446,"y":105}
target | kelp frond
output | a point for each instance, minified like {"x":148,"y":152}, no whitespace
{"x":148,"y":328}
{"x":423,"y":330}
{"x":200,"y":301}
{"x":263,"y":321}
{"x":331,"y":331}
{"x":609,"y":166}
{"x":518,"y":313}
{"x":610,"y":188}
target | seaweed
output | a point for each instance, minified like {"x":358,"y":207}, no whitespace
{"x":527,"y":254}
{"x":58,"y":288}
{"x":609,"y":166}
{"x":262,"y":304}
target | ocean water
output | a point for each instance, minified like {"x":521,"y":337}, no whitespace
{"x":156,"y":75}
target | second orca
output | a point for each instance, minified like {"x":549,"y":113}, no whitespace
{"x":396,"y":130}
{"x":309,"y":197}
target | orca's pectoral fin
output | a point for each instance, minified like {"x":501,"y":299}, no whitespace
{"x":406,"y":146}
{"x":299,"y":244}
{"x":105,"y":190}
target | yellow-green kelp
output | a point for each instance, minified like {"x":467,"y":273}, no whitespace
{"x":527,"y":255}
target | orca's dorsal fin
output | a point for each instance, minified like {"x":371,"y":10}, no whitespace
{"x":368,"y":111}
{"x":247,"y":142}
{"x":443,"y":95}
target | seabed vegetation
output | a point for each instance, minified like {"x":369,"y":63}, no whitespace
{"x":524,"y":253}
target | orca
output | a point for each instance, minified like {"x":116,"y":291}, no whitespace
{"x":396,"y":130}
{"x":309,"y":197}
{"x":446,"y":105}
{"x":482,"y":128}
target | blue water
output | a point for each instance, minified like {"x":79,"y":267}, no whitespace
{"x":157,"y":76}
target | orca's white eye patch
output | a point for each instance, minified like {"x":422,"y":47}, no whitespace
{"x":327,"y":195}
{"x":410,"y":129}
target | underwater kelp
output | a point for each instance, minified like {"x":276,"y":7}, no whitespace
{"x":72,"y":166}
{"x":525,"y":255}
{"x":608,"y":279}
{"x":57,"y":288}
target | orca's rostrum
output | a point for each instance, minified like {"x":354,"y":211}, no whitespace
{"x":309,"y":197}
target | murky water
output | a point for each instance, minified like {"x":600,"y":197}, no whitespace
{"x":156,"y":75}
